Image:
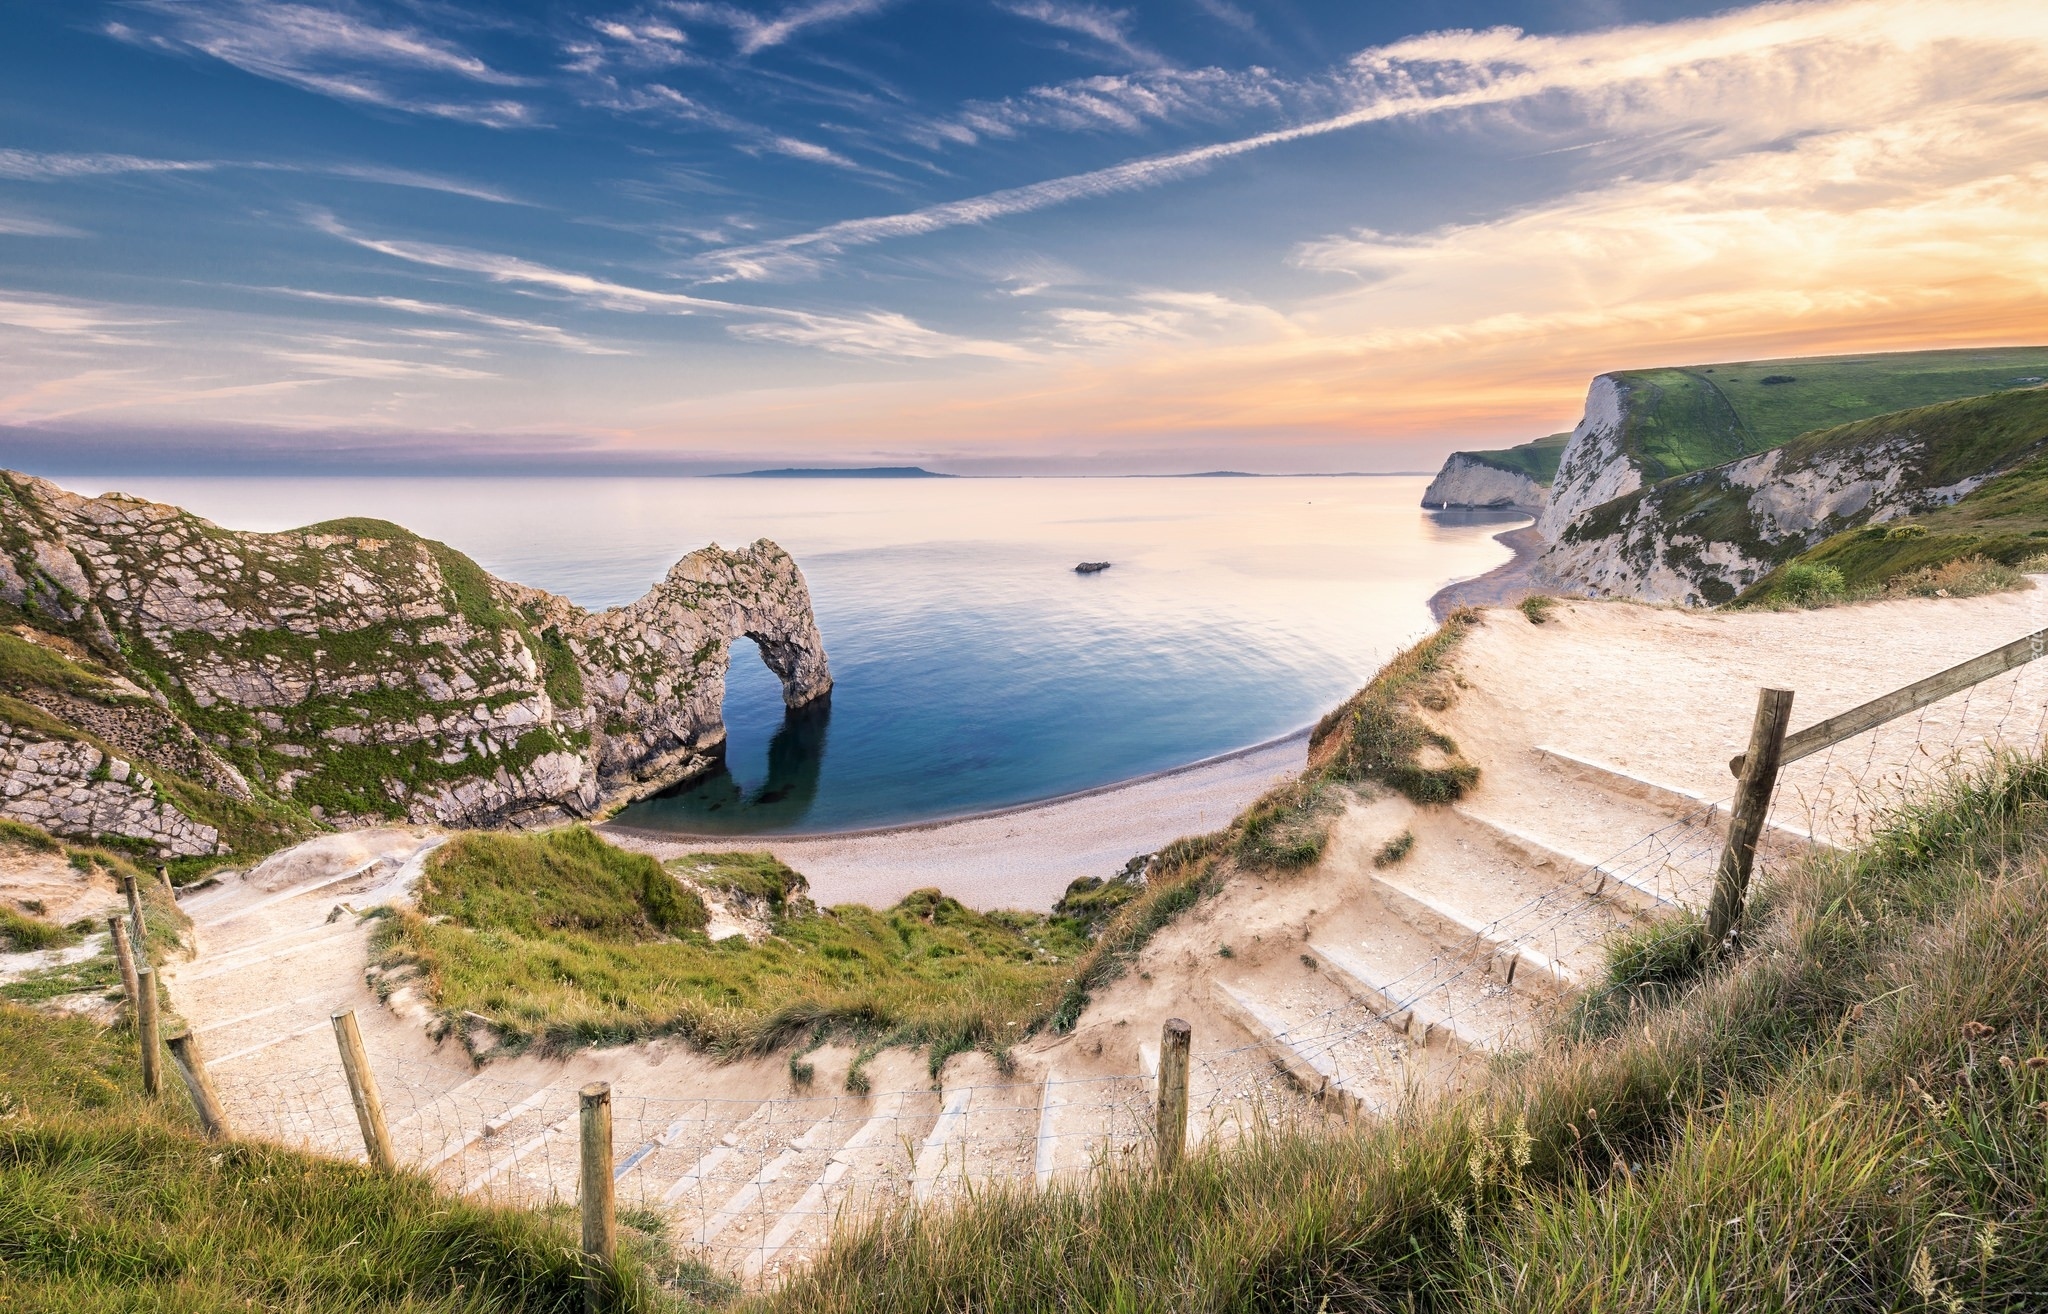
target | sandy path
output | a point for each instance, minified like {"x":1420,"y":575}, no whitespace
{"x":1021,"y":857}
{"x":1669,"y":694}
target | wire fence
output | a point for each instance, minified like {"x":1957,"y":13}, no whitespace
{"x":751,"y":1185}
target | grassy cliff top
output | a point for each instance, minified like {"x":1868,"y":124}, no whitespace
{"x":1537,"y":459}
{"x":1692,"y":417}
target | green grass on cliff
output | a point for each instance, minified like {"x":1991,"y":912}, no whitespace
{"x":110,"y":1200}
{"x":1537,"y":459}
{"x":2004,"y":522}
{"x":1686,"y":419}
{"x":1853,"y":1116}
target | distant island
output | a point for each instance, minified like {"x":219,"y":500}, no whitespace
{"x":841,"y":472}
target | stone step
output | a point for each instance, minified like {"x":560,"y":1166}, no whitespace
{"x":943,"y":1145}
{"x":764,"y":1174}
{"x":751,"y":1198}
{"x":1498,"y":939}
{"x":861,"y":1161}
{"x":699,"y":1127}
{"x":1675,"y":799}
{"x":1337,"y":1050}
{"x":1437,"y":999}
{"x":1666,"y":887}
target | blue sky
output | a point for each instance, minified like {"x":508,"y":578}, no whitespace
{"x":997,"y":235}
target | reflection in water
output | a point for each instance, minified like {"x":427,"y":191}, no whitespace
{"x":717,"y":803}
{"x":1461,"y":519}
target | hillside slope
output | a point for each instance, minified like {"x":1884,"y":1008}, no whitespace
{"x":1702,"y":538}
{"x":347,"y":671}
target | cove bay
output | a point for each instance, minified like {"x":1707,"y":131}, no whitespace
{"x":973,"y":668}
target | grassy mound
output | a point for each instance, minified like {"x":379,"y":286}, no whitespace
{"x":111,"y":1201}
{"x":1850,"y":1116}
{"x":563,"y":940}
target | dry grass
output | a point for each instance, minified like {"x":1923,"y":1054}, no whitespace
{"x":1965,"y":577}
{"x":1851,"y":1116}
{"x":110,"y":1200}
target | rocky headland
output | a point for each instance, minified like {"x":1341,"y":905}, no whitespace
{"x":1470,"y":481}
{"x":1694,"y":485}
{"x":170,"y":683}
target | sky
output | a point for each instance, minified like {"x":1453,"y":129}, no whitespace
{"x":984,"y":236}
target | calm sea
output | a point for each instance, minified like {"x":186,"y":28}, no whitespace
{"x":974,"y":668}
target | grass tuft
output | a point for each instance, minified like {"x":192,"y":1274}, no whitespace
{"x":1376,"y":734}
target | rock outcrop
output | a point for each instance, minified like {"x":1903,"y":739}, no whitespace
{"x":1468,"y":481}
{"x":1597,"y":466}
{"x":71,"y":788}
{"x":361,"y":672}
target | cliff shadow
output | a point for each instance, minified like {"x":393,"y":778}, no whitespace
{"x":720,"y":803}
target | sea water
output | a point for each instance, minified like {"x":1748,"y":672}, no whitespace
{"x":973,"y":668}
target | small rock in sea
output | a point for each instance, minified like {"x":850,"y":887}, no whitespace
{"x":1091,"y":567}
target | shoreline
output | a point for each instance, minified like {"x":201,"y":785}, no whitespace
{"x":1504,"y":585}
{"x":958,"y":818}
{"x":1022,"y":856}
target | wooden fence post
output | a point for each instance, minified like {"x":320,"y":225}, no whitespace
{"x":362,"y":1088}
{"x":137,"y":929}
{"x":199,"y":1085}
{"x":126,"y":958}
{"x":600,"y":1228}
{"x":164,"y":874}
{"x":1746,"y":822}
{"x":1172,"y":1128}
{"x":145,"y":1030}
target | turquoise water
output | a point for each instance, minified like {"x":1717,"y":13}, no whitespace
{"x":974,"y":669}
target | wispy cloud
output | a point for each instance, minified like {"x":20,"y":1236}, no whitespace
{"x":347,"y":365}
{"x":870,"y":333}
{"x":1109,"y":29}
{"x":55,"y":166}
{"x":1739,"y":81}
{"x":1232,"y":16}
{"x":332,"y":53}
{"x":753,"y":33}
{"x":49,"y":166}
{"x":15,"y":223}
{"x":1120,"y":103}
{"x":633,"y":42}
{"x":756,"y":139}
{"x":526,"y":329}
{"x":414,"y":178}
{"x":80,"y":320}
